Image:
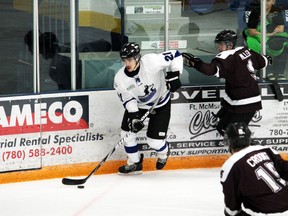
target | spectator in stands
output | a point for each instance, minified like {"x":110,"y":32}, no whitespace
{"x":277,"y":38}
{"x":60,"y":66}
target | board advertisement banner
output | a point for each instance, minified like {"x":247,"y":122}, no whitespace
{"x":79,"y":127}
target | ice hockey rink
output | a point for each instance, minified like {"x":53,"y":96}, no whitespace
{"x":189,"y":192}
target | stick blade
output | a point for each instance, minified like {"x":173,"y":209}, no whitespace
{"x":68,"y":181}
{"x":277,"y":91}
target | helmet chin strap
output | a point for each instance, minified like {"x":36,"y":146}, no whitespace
{"x":229,"y":45}
{"x":137,"y":63}
{"x":136,"y":66}
{"x":230,"y":150}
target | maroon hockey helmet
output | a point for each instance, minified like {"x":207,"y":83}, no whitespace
{"x":226,"y":36}
{"x":237,"y":135}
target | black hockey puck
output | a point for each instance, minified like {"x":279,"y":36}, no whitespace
{"x":80,"y":186}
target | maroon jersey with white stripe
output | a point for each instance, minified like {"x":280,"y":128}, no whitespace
{"x":238,"y":67}
{"x":256,"y":177}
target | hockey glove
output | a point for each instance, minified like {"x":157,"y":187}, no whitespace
{"x":134,"y":122}
{"x":173,"y":81}
{"x":269,"y":58}
{"x":190,"y":60}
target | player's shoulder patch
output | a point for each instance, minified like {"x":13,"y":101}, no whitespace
{"x":149,"y":58}
{"x":229,"y":163}
{"x":225,"y":54}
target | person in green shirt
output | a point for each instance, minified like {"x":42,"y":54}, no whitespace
{"x":276,"y":38}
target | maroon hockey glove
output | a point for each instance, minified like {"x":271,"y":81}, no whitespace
{"x":134,"y":122}
{"x":269,"y":58}
{"x":190,"y":60}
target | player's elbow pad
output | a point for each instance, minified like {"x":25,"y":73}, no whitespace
{"x":173,"y":80}
{"x":239,"y":213}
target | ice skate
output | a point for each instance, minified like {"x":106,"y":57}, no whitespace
{"x":162,"y":162}
{"x":132,"y":169}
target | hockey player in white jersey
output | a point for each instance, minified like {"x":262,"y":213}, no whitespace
{"x":139,"y":84}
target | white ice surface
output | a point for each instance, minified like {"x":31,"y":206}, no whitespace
{"x":191,"y":192}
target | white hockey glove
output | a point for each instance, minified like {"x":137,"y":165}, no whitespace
{"x":173,"y":81}
{"x":134,"y":122}
{"x":190,"y":60}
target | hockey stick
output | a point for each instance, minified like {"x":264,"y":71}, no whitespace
{"x":212,"y":11}
{"x":205,"y":50}
{"x":277,"y":91}
{"x":68,"y":181}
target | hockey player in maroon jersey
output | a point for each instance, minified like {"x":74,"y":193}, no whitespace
{"x":254,"y":178}
{"x":139,"y":84}
{"x":238,"y":66}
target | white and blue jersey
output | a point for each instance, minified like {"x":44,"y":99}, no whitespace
{"x":141,"y":90}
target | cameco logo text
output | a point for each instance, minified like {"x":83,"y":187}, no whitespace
{"x":45,"y":114}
